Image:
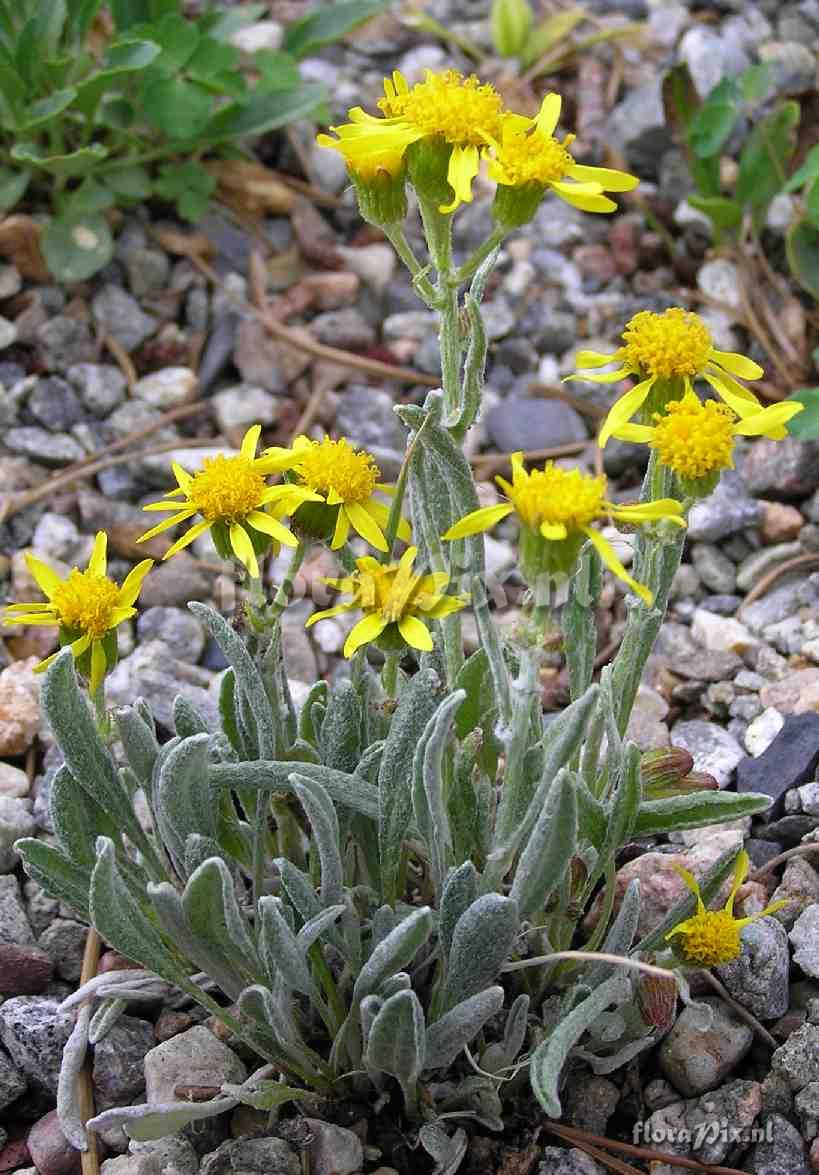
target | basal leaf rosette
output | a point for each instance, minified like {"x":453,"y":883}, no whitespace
{"x":527,"y":161}
{"x":666,"y":353}
{"x":87,"y":607}
{"x":555,"y":509}
{"x":450,"y":117}
{"x":695,"y":439}
{"x":230,"y":497}
{"x":396,"y":604}
{"x":344,"y":484}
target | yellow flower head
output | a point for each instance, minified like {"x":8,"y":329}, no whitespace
{"x":696,"y":439}
{"x":394,"y":600}
{"x":673,"y":347}
{"x":346,"y":480}
{"x":560,"y":505}
{"x":87,"y":607}
{"x":711,"y":937}
{"x":457,"y":111}
{"x":231,"y":496}
{"x":527,"y":155}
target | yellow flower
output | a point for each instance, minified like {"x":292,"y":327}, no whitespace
{"x":676,"y":347}
{"x":527,"y":155}
{"x":696,"y":439}
{"x":87,"y":607}
{"x":710,"y":937}
{"x":458,"y":112}
{"x":395,"y":601}
{"x":559,"y":506}
{"x":230,"y":495}
{"x":346,"y":480}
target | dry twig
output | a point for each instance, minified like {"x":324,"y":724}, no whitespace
{"x":90,"y":963}
{"x":573,"y":1134}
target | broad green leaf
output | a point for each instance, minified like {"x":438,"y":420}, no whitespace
{"x":263,"y":112}
{"x":755,"y":82}
{"x":179,"y":108}
{"x":178,"y":39}
{"x":328,"y":23}
{"x":550,"y":32}
{"x":80,"y":18}
{"x":711,"y":127}
{"x":89,"y":198}
{"x":763,"y":163}
{"x":47,"y":109}
{"x":129,"y":12}
{"x":115,"y":113}
{"x":805,"y":426}
{"x":277,"y":71}
{"x":12,"y":187}
{"x":211,"y":57}
{"x":222,"y":24}
{"x":77,"y":246}
{"x":802,"y":246}
{"x":808,"y":170}
{"x":130,"y":182}
{"x":128,"y":56}
{"x":72,"y":164}
{"x":722,"y":212}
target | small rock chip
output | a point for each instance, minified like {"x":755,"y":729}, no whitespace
{"x":34,"y":1033}
{"x":715,"y":751}
{"x":64,"y":941}
{"x":798,"y":1058}
{"x":780,"y":523}
{"x":51,"y":1152}
{"x":119,"y":1074}
{"x":791,"y":759}
{"x":194,"y":1057}
{"x":24,"y":970}
{"x":19,"y":707}
{"x":12,"y":1083}
{"x":694,"y":1060}
{"x":333,"y":1150}
{"x":782,"y":470}
{"x":784,"y":1154}
{"x":166,"y":388}
{"x":758,"y":978}
{"x":251,"y":1156}
{"x":805,"y":937}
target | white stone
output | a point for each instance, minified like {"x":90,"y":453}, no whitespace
{"x":263,"y":34}
{"x":721,"y":634}
{"x":166,"y":388}
{"x":808,"y":797}
{"x":16,"y":821}
{"x":762,"y":731}
{"x":719,"y":279}
{"x":13,"y":781}
{"x":240,"y":407}
{"x":194,"y":1057}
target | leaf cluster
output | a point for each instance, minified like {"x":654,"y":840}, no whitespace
{"x":104,"y":108}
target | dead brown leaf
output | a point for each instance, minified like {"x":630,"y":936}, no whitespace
{"x":250,"y":189}
{"x":20,"y":242}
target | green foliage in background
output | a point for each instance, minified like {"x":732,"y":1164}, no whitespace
{"x":89,"y":123}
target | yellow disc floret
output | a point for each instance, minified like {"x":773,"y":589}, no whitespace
{"x":462,"y":110}
{"x":334,"y":467}
{"x":527,"y":157}
{"x":226,"y":488}
{"x":556,"y":497}
{"x":694,"y":438}
{"x":674,"y":343}
{"x":86,"y":602}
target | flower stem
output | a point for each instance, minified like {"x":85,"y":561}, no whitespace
{"x":389,"y":674}
{"x":282,"y":596}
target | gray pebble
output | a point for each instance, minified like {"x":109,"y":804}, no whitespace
{"x":758,"y":978}
{"x":34,"y":1032}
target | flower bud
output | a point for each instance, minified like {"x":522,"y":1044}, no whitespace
{"x":657,"y":1000}
{"x":662,"y":770}
{"x":511,"y":22}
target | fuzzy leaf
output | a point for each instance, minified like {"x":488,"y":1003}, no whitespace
{"x":460,"y":891}
{"x":394,"y":953}
{"x":214,"y":915}
{"x":418,"y":702}
{"x":340,"y":738}
{"x":59,"y":876}
{"x":481,"y":944}
{"x":206,"y":955}
{"x":349,"y":790}
{"x":447,"y":1036}
{"x":428,"y":786}
{"x":551,"y":846}
{"x":395,"y":1043}
{"x":148,"y":1122}
{"x":320,"y":812}
{"x":280,"y":949}
{"x":696,"y":811}
{"x":77,"y":819}
{"x":138,"y":741}
{"x":549,"y":1058}
{"x":182,"y":797}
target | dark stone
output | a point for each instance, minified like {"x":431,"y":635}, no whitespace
{"x":521,"y":423}
{"x":782,"y":470}
{"x":785,"y":1154}
{"x":119,"y":1073}
{"x":790,"y":760}
{"x":55,"y":405}
{"x":35,"y":1032}
{"x":24,"y":970}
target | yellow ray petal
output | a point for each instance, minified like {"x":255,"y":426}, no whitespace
{"x":365,"y":525}
{"x":661,"y":508}
{"x":243,"y":548}
{"x":249,"y":442}
{"x":593,"y":359}
{"x":623,"y":409}
{"x":445,"y":606}
{"x":327,"y":613}
{"x":548,"y":116}
{"x":341,"y":531}
{"x":166,"y":524}
{"x":415,"y":633}
{"x":183,"y":478}
{"x":770,"y":422}
{"x":586,"y":203}
{"x":636,"y":433}
{"x":483,"y":519}
{"x":741,"y":400}
{"x":607,"y":554}
{"x":132,"y":583}
{"x":463,"y":167}
{"x":692,"y":883}
{"x":608,"y":179}
{"x":741,"y":867}
{"x":98,"y":563}
{"x":737,"y":364}
{"x":187,"y":538}
{"x":369,"y":628}
{"x":267,"y":525}
{"x":47,"y":580}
